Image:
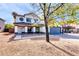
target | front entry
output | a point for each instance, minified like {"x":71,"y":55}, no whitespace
{"x":29,"y":30}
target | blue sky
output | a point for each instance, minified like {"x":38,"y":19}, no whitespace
{"x":7,"y":9}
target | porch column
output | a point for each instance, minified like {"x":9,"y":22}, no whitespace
{"x":33,"y":29}
{"x":16,"y":29}
{"x":26,"y":29}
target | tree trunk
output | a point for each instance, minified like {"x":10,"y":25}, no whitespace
{"x":46,"y":23}
{"x":46,"y":28}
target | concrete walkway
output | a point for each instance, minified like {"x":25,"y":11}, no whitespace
{"x":28,"y":36}
{"x":17,"y":37}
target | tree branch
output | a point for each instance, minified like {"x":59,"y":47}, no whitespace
{"x":48,"y":9}
{"x":55,"y":9}
{"x":41,"y":7}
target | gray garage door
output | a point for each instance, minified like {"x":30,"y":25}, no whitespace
{"x":55,"y":30}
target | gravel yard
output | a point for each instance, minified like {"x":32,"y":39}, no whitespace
{"x":37,"y":47}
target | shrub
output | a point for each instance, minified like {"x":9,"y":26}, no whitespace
{"x":9,"y":28}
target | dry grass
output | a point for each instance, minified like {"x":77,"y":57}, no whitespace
{"x":37,"y":47}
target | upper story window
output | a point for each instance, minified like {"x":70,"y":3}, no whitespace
{"x":36,"y":20}
{"x":21,"y":19}
{"x":28,"y":19}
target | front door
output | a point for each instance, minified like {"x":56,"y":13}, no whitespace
{"x":29,"y":29}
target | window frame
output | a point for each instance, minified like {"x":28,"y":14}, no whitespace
{"x":21,"y":19}
{"x":28,"y":20}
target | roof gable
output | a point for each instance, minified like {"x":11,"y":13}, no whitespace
{"x":31,"y":13}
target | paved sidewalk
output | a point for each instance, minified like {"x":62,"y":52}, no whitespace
{"x":17,"y":37}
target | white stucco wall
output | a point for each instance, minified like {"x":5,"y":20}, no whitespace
{"x":28,"y":16}
{"x":32,"y":18}
{"x":32,"y":21}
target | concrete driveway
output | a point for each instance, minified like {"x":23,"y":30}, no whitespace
{"x":65,"y":36}
{"x":69,"y":36}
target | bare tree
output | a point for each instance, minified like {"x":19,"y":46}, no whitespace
{"x":48,"y":9}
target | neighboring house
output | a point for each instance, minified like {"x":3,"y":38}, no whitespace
{"x":28,"y":23}
{"x":71,"y":28}
{"x":2,"y":24}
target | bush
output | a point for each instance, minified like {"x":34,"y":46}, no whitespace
{"x":9,"y":28}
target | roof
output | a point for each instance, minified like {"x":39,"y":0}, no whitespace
{"x":31,"y":13}
{"x":16,"y":14}
{"x":2,"y":19}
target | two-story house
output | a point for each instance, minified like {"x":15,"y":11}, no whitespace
{"x":28,"y":23}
